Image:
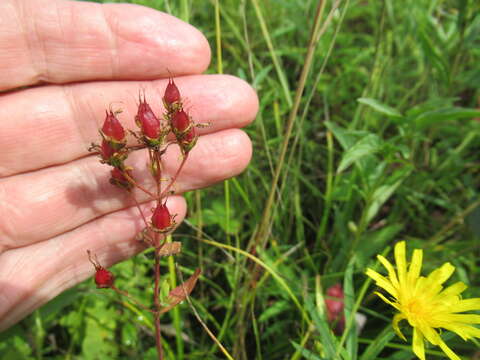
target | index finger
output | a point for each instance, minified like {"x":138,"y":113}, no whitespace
{"x":67,"y":41}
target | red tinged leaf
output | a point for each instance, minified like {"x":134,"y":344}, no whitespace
{"x":181,"y":292}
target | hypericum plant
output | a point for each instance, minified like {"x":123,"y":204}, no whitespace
{"x":155,"y":134}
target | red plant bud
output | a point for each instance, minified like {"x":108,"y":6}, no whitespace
{"x":180,"y":121}
{"x":103,"y":278}
{"x":161,"y":218}
{"x":112,"y":127}
{"x":106,"y":150}
{"x":334,"y":305}
{"x":172,"y":94}
{"x":147,"y":120}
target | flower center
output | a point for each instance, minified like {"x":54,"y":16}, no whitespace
{"x":415,"y":311}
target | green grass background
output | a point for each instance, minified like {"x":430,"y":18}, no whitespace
{"x":365,"y":136}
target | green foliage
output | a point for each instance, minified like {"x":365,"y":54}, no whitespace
{"x":384,"y":148}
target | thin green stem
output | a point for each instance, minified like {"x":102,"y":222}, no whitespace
{"x":174,"y":178}
{"x":176,"y":310}
{"x":218,"y":41}
{"x":218,"y":37}
{"x":273,"y":53}
{"x":156,"y":301}
{"x":185,"y":11}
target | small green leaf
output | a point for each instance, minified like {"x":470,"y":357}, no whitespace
{"x":368,"y":145}
{"x":377,"y":345}
{"x":380,"y":107}
{"x":383,"y":192}
{"x":307,"y":354}
{"x":433,"y":117}
{"x":318,"y":315}
{"x":373,"y":242}
{"x":273,"y":310}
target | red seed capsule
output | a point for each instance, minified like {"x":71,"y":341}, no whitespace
{"x":172,"y":94}
{"x":180,"y":121}
{"x":161,"y":218}
{"x":112,"y":127}
{"x":147,"y":120}
{"x":106,"y":150}
{"x":103,"y":278}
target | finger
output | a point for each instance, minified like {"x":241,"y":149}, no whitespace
{"x":31,"y":276}
{"x":45,"y":203}
{"x":52,"y":125}
{"x":60,"y":41}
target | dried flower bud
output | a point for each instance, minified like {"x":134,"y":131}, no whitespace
{"x":118,"y":178}
{"x":172,"y":94}
{"x":112,"y":127}
{"x":147,"y":121}
{"x":103,"y":278}
{"x":161,"y":219}
{"x":106,"y":150}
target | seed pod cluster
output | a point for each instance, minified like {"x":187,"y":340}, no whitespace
{"x":154,"y":135}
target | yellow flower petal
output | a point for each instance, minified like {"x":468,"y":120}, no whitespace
{"x":440,"y":275}
{"x":396,"y":319}
{"x":386,"y":300}
{"x":391,"y":271}
{"x":401,"y":261}
{"x":467,"y":305}
{"x":415,"y":266}
{"x":418,"y":345}
{"x":455,"y":289}
{"x":463,"y":318}
{"x":448,"y":351}
{"x":430,"y":334}
{"x":382,"y":281}
{"x":464,"y":331}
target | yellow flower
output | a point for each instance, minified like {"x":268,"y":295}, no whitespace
{"x":425,"y":303}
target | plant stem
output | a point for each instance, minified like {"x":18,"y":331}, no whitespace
{"x":156,"y":301}
{"x":129,"y":297}
{"x":264,"y":226}
{"x":174,"y":179}
{"x":176,"y":310}
{"x":134,"y":183}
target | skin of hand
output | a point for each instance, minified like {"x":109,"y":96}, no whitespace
{"x":63,"y":63}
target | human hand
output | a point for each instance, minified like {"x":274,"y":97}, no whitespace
{"x":55,"y":199}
